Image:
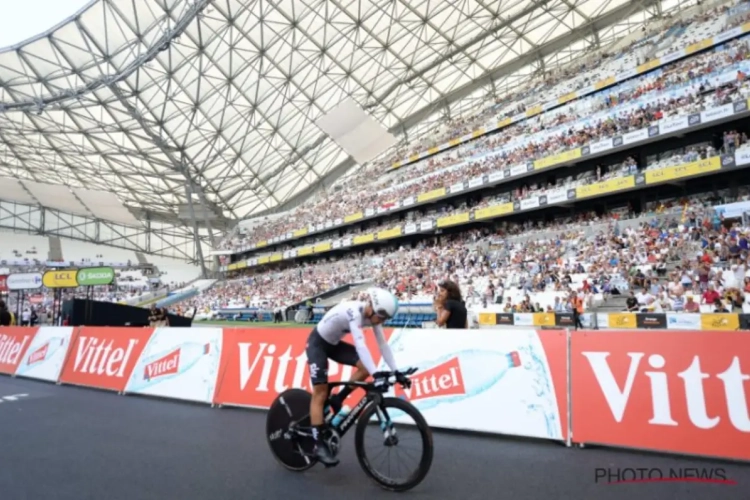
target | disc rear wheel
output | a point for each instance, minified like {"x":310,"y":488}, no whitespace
{"x":290,"y":410}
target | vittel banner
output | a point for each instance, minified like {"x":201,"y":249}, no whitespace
{"x":14,"y":343}
{"x":179,"y":363}
{"x":46,"y":354}
{"x":678,"y":391}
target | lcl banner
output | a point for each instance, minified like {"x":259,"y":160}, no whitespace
{"x":678,"y":391}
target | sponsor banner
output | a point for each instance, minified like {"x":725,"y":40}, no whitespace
{"x":320,"y":247}
{"x":14,"y":343}
{"x":337,"y":244}
{"x":670,"y":391}
{"x":495,"y":176}
{"x":564,"y":157}
{"x":684,"y":170}
{"x":24,"y":281}
{"x":452,"y":220}
{"x":718,"y":321}
{"x":618,"y":320}
{"x":487,"y":318}
{"x":459,"y":378}
{"x":651,"y":320}
{"x":259,"y":364}
{"x":476,"y":182}
{"x":363,"y":238}
{"x":456,"y":188}
{"x":179,"y":363}
{"x":517,"y":170}
{"x":672,"y":124}
{"x":683,"y":321}
{"x":346,"y":242}
{"x":610,"y":186}
{"x":635,"y":136}
{"x":389,"y":233}
{"x":408,"y":202}
{"x":565,"y":320}
{"x":353,"y":217}
{"x":3,"y":283}
{"x":431,"y":195}
{"x":338,"y":222}
{"x":523,"y":319}
{"x":493,"y":211}
{"x":529,"y":203}
{"x":600,"y":146}
{"x":557,"y":196}
{"x":300,"y":232}
{"x":104,"y":357}
{"x":410,"y":228}
{"x":369,"y":212}
{"x":46,"y":354}
{"x":544,"y":319}
{"x":717,"y":113}
{"x":745,"y":321}
{"x":94,"y":276}
{"x":504,"y":318}
{"x":64,"y":278}
{"x":425,"y":225}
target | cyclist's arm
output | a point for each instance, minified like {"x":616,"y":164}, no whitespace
{"x":359,"y":343}
{"x":385,"y":349}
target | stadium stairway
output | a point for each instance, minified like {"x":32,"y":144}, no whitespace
{"x":55,"y":249}
{"x":335,"y":299}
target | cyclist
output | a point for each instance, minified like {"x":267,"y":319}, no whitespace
{"x":325,"y":342}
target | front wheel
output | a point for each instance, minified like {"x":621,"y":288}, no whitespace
{"x":394,"y":430}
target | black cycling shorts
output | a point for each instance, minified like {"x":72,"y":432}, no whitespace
{"x":319,"y":352}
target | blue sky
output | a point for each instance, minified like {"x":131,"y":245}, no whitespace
{"x":22,"y":19}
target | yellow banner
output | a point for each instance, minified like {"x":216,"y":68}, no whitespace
{"x":720,"y":321}
{"x":322,"y":247}
{"x":363,"y":238}
{"x":604,"y":83}
{"x":432,"y":151}
{"x":242,"y":265}
{"x":544,"y":319}
{"x":504,"y":123}
{"x":264,"y":260}
{"x":232,"y":267}
{"x":389,"y":233}
{"x":414,"y":158}
{"x":300,"y":232}
{"x":304,"y":251}
{"x":610,"y":186}
{"x":535,"y":110}
{"x":396,"y":164}
{"x":454,"y":142}
{"x":649,"y":65}
{"x":487,"y":319}
{"x":563,"y":157}
{"x":684,"y":170}
{"x":63,"y":278}
{"x":622,"y":320}
{"x":277,"y":257}
{"x":493,"y":211}
{"x":353,"y":217}
{"x":260,"y":244}
{"x":478,"y":132}
{"x":567,"y":97}
{"x":703,"y":44}
{"x":452,"y":220}
{"x":431,"y":195}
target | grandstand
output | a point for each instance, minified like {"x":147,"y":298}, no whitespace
{"x":562,"y":140}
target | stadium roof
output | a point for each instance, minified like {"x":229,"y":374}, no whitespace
{"x":154,"y":100}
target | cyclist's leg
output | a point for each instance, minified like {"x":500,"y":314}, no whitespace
{"x":346,"y":354}
{"x":317,"y":361}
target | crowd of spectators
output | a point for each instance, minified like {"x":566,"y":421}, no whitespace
{"x":572,"y":264}
{"x":686,"y":86}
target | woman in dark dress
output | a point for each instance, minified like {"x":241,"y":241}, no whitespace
{"x":451,"y":308}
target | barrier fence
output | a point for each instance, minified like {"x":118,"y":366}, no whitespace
{"x":683,"y":392}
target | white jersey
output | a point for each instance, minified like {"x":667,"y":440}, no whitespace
{"x":348,"y":317}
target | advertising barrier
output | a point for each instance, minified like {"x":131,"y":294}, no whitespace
{"x":681,"y":392}
{"x":24,"y":281}
{"x":3,"y":282}
{"x":668,"y":390}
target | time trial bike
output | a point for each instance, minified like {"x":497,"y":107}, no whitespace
{"x":291,"y":440}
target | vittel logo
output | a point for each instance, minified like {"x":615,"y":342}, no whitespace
{"x":618,"y":393}
{"x":10,"y":349}
{"x":442,"y":380}
{"x":167,"y":365}
{"x":99,"y":357}
{"x":39,"y":355}
{"x":270,"y":371}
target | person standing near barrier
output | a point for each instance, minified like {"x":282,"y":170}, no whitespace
{"x":6,"y":318}
{"x":450,"y":307}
